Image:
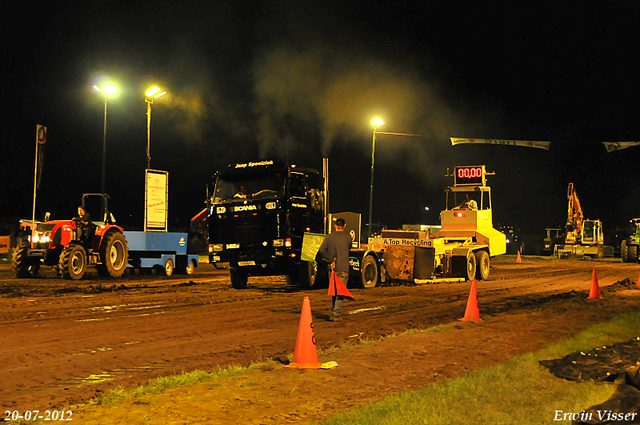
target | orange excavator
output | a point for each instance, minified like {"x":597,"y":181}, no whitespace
{"x":583,"y":237}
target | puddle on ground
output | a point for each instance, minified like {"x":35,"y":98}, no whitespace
{"x":362,"y":310}
{"x":105,"y":376}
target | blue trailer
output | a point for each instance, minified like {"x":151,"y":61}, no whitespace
{"x":167,"y":250}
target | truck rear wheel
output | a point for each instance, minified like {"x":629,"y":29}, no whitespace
{"x":238,"y":277}
{"x":483,"y":263}
{"x":471,"y":266}
{"x":370,"y":272}
{"x":73,"y":262}
{"x":308,"y":275}
{"x":114,"y":254}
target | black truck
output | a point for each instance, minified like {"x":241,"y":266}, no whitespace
{"x":257,"y":214}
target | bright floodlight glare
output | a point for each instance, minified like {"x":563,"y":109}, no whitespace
{"x":110,"y":89}
{"x":152,"y":91}
{"x":159,"y":94}
{"x":96,"y":88}
{"x":377,"y":122}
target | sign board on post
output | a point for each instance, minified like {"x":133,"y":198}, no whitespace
{"x":352,"y":226}
{"x":156,"y":197}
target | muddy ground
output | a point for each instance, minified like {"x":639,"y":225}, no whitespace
{"x":64,"y":342}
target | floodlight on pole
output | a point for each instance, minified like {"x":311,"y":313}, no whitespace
{"x":377,"y":122}
{"x":107,"y":90}
{"x":152,"y":93}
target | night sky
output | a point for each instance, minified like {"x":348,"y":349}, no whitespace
{"x":302,"y":80}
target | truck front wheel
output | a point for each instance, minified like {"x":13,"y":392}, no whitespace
{"x":483,"y":263}
{"x":370,"y":272}
{"x":238,"y":277}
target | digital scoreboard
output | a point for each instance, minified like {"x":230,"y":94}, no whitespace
{"x":469,"y":175}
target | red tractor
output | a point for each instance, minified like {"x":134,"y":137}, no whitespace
{"x":69,"y":248}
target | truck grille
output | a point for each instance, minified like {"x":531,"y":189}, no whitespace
{"x":246,"y":229}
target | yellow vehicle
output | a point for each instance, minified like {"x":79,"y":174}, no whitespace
{"x":460,"y":250}
{"x":583,"y":237}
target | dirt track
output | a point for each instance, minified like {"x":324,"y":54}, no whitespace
{"x":66,"y":341}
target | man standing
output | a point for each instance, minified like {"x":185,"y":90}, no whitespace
{"x":335,"y":251}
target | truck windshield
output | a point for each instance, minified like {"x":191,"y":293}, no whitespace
{"x":250,"y":187}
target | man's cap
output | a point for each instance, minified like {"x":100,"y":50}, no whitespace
{"x":340,"y":221}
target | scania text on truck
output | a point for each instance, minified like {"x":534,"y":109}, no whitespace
{"x":257,"y":215}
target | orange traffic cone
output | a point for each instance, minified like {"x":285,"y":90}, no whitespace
{"x":306,"y":355}
{"x":518,"y":259}
{"x":472,"y":313}
{"x":595,"y":289}
{"x":336,"y":287}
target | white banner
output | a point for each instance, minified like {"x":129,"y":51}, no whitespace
{"x":524,"y":143}
{"x":156,"y":200}
{"x":616,"y":146}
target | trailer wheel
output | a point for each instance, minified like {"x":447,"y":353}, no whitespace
{"x":633,"y":253}
{"x":191,"y":267}
{"x":73,"y":262}
{"x":20,"y":260}
{"x":483,"y":263}
{"x":471,"y":266}
{"x":238,"y":277}
{"x":168,"y":267}
{"x":114,"y":254}
{"x":370,"y":272}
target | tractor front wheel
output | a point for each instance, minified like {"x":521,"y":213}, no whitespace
{"x":114,"y":254}
{"x":20,"y":260}
{"x":73,"y":262}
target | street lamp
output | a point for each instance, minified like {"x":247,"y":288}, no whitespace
{"x":376,"y":123}
{"x":108,"y":90}
{"x":153,"y":93}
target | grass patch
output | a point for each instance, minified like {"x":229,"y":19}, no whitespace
{"x":157,"y":385}
{"x":517,"y":392}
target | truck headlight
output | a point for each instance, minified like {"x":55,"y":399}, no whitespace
{"x":270,"y":206}
{"x":278,"y":242}
{"x":221,"y":210}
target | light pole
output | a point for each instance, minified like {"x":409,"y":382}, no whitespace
{"x":376,"y":123}
{"x":153,"y":93}
{"x":107,"y":90}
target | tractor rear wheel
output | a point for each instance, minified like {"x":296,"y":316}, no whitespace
{"x":73,"y":262}
{"x":20,"y":260}
{"x":633,"y":253}
{"x":483,"y":263}
{"x":114,"y":254}
{"x":624,"y":252}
